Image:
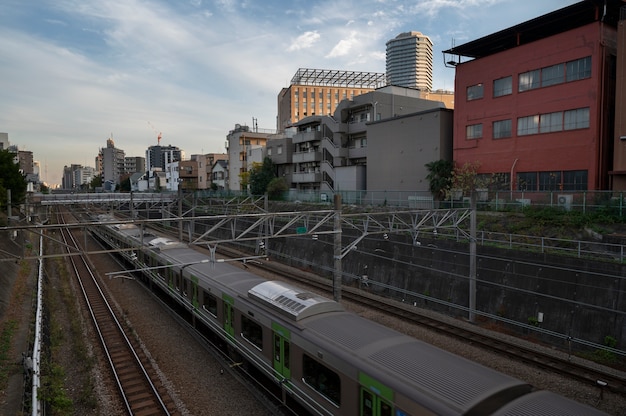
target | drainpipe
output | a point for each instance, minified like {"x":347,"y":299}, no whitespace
{"x":512,"y":168}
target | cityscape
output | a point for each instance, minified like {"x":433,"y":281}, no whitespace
{"x":341,"y":130}
{"x":399,"y":226}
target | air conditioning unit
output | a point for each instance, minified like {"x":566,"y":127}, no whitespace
{"x":565,"y":201}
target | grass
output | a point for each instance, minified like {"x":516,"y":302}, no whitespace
{"x":6,"y":336}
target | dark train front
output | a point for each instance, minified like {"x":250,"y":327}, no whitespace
{"x":317,"y":355}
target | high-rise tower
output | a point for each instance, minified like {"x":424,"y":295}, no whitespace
{"x":410,"y":61}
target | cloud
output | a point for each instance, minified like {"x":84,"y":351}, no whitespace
{"x":304,"y":41}
{"x":344,"y":46}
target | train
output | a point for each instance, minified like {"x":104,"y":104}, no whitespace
{"x":319,"y":356}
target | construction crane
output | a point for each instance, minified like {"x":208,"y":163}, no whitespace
{"x":157,"y":132}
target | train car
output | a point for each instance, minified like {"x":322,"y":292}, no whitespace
{"x":328,"y":360}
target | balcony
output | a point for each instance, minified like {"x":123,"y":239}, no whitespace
{"x":357,"y":126}
{"x":306,"y":136}
{"x":357,"y":152}
{"x":310,"y":156}
{"x":306,"y":177}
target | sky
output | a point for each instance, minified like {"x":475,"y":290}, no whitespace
{"x":74,"y":73}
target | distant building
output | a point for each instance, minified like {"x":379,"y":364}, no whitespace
{"x":410,"y":61}
{"x":316,"y":92}
{"x":77,"y":177}
{"x":172,"y":177}
{"x":239,"y":143}
{"x":195,"y":173}
{"x":191,"y":175}
{"x":159,"y":156}
{"x":112,"y":165}
{"x":219,"y":174}
{"x":134,"y":164}
{"x":4,"y":141}
{"x":25,"y":160}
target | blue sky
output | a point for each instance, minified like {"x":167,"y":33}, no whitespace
{"x":73,"y":72}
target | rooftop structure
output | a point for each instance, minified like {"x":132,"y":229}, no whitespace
{"x":327,"y":77}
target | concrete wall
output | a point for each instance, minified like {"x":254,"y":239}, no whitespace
{"x":511,"y":284}
{"x":398,"y":149}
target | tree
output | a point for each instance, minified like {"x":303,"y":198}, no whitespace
{"x":244,"y":180}
{"x":125,"y":185}
{"x":440,"y":178}
{"x":465,"y":178}
{"x":276,"y":188}
{"x":261,"y":175}
{"x":96,"y":182}
{"x":11,"y":178}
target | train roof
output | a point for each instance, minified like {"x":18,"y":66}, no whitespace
{"x":292,"y":301}
{"x":289,"y":300}
{"x":546,"y":403}
{"x":448,"y":383}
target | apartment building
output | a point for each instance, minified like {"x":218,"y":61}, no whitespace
{"x":409,"y":61}
{"x":376,"y":141}
{"x":536,"y":103}
{"x":134,"y":164}
{"x":112,"y":165}
{"x":243,"y":146}
{"x":196,"y":173}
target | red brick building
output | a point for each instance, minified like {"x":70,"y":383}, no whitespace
{"x":536,"y":103}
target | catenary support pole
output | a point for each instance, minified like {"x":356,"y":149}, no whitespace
{"x":472,"y":258}
{"x":337,"y":250}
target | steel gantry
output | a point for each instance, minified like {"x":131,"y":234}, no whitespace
{"x":248,"y":219}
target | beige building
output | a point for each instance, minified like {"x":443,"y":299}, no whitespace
{"x":317,"y":92}
{"x":244,"y":148}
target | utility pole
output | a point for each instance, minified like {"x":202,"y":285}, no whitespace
{"x":472,"y":258}
{"x":180,"y":211}
{"x":337,"y":250}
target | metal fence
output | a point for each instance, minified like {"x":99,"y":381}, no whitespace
{"x":612,"y":202}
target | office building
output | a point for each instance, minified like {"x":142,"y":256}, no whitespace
{"x":536,"y":103}
{"x":316,"y":92}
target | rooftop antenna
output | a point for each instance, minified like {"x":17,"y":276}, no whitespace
{"x":452,"y":63}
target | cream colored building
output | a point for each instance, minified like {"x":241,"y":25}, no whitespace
{"x":410,"y":61}
{"x":317,"y":92}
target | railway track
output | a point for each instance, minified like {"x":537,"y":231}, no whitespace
{"x":565,"y":366}
{"x":140,"y":389}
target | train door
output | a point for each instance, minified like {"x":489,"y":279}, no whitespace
{"x":281,"y":351}
{"x":229,"y":315}
{"x":194,"y":292}
{"x":375,"y":398}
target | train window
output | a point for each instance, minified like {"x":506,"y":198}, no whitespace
{"x":321,"y":378}
{"x":252,"y":332}
{"x":185,"y":284}
{"x":210,"y":304}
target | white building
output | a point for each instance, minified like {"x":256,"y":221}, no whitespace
{"x":219,"y":174}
